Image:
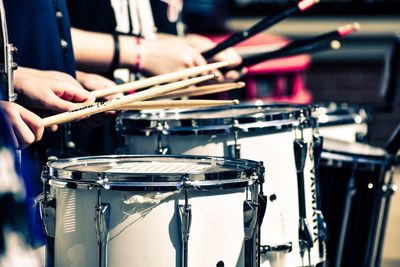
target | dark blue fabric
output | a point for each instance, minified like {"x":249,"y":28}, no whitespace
{"x":34,"y":30}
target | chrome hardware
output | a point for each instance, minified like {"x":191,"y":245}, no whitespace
{"x":250,"y":212}
{"x":185,"y":215}
{"x":48,"y":215}
{"x":161,"y":149}
{"x":277,"y":248}
{"x":234,"y":150}
{"x":102,"y":224}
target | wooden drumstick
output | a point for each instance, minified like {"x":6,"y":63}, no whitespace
{"x":172,"y":104}
{"x":117,"y":103}
{"x":160,"y":79}
{"x":203,"y":90}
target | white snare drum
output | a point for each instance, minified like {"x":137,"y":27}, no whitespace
{"x":262,"y":133}
{"x":343,"y":122}
{"x":150,"y":210}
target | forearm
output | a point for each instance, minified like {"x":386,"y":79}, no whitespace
{"x":95,"y":51}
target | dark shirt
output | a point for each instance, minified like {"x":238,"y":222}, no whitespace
{"x":36,"y":31}
{"x":92,"y":15}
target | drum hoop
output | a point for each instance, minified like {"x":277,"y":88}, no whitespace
{"x":351,"y":158}
{"x":151,"y":186}
{"x":126,"y":125}
{"x":264,"y":127}
{"x":238,"y":173}
{"x":339,"y":120}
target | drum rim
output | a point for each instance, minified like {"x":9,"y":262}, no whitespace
{"x":247,"y":172}
{"x":342,"y":156}
{"x":224,"y":124}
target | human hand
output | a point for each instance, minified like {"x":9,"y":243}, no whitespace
{"x":164,"y":55}
{"x":49,"y":90}
{"x":26,"y":126}
{"x":202,"y":44}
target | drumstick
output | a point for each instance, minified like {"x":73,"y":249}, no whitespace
{"x":258,"y":27}
{"x":160,"y":79}
{"x":310,"y":49}
{"x":301,"y":46}
{"x":172,"y":104}
{"x":203,"y":90}
{"x":117,"y":103}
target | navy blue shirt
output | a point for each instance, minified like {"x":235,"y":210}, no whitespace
{"x":36,"y":31}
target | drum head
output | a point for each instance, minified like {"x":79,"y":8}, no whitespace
{"x":151,"y":172}
{"x":213,"y":120}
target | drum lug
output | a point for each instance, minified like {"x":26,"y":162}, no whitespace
{"x":250,"y":212}
{"x":102,"y":224}
{"x":161,"y":131}
{"x":185,"y":215}
{"x":277,"y":248}
{"x":234,"y":150}
{"x":48,"y":216}
{"x":305,"y":237}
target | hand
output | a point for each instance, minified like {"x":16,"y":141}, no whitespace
{"x":202,"y":44}
{"x":51,"y":90}
{"x":26,"y":126}
{"x":93,"y":82}
{"x":165,"y":55}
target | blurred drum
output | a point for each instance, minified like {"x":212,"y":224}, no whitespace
{"x":262,"y":133}
{"x":150,"y":210}
{"x":342,"y":122}
{"x":356,"y":186}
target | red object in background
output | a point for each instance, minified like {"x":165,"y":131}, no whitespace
{"x":278,"y":79}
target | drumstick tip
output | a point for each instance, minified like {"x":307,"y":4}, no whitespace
{"x":235,"y":101}
{"x":335,"y":44}
{"x":306,"y":4}
{"x":348,"y":29}
{"x":356,"y":26}
{"x":241,"y":84}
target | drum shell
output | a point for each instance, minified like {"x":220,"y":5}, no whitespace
{"x":150,"y":235}
{"x":275,"y":149}
{"x":359,"y":183}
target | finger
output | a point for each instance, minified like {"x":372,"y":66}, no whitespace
{"x":198,"y":59}
{"x":54,"y":128}
{"x":72,"y":92}
{"x":231,"y":76}
{"x":33,"y":121}
{"x":22,"y":132}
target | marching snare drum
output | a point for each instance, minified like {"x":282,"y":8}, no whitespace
{"x":356,"y":185}
{"x":342,"y":122}
{"x":150,"y":210}
{"x":262,"y":133}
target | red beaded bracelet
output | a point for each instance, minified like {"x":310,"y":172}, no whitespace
{"x":138,"y":54}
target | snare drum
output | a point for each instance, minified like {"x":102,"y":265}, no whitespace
{"x":342,"y":122}
{"x":262,"y":133}
{"x":356,"y":185}
{"x":150,"y":210}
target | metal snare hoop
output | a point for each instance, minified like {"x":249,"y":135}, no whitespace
{"x":151,"y":172}
{"x":246,"y":117}
{"x":342,"y":122}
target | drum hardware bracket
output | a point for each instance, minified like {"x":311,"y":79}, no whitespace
{"x":277,"y":248}
{"x":185,"y":215}
{"x":161,"y":130}
{"x":235,"y":149}
{"x":102,"y":224}
{"x":250,"y":212}
{"x":48,"y":215}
